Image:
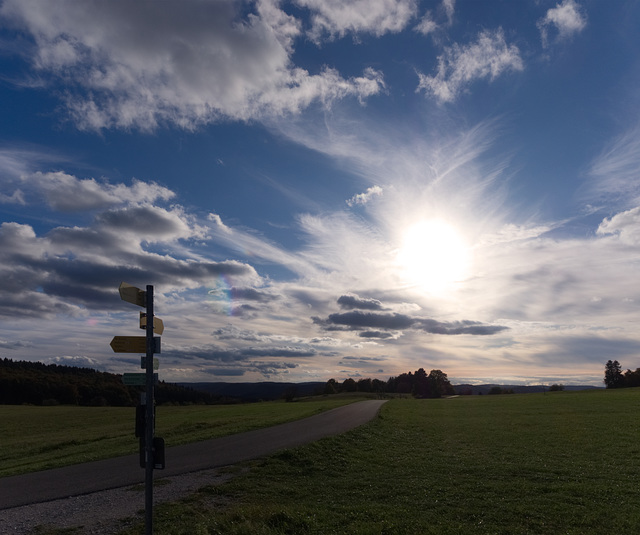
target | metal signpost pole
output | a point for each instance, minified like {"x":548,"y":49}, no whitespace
{"x":150,"y":424}
{"x":151,"y":448}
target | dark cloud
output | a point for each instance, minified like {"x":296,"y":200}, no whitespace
{"x":375,"y":334}
{"x":269,"y":369}
{"x":233,"y":333}
{"x":266,"y":369}
{"x":243,"y":354}
{"x":71,"y":267}
{"x":353,"y":301}
{"x":251,"y":294}
{"x":357,"y":321}
{"x":17,"y":344}
{"x":147,"y":220}
{"x":244,"y":311}
{"x":458,"y":327}
{"x":278,"y":352}
{"x":366,"y":359}
{"x":225,"y":372}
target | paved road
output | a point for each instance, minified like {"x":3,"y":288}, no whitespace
{"x":123,"y":471}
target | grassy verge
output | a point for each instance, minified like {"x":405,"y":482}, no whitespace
{"x":556,"y":463}
{"x":38,"y":438}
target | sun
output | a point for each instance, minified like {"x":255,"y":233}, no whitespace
{"x":433,"y":256}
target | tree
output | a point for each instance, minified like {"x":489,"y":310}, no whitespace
{"x":440,"y":385}
{"x":331,"y":387}
{"x":421,"y":385}
{"x":349,"y":385}
{"x":613,"y":377}
{"x":632,"y":379}
{"x":364,"y":385}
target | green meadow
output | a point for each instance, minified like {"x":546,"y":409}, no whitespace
{"x":564,"y":462}
{"x":38,"y":438}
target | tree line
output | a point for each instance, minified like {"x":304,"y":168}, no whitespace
{"x":614,"y":378}
{"x":35,"y":383}
{"x":420,"y":384}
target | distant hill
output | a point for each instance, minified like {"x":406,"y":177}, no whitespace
{"x":251,"y":392}
{"x":267,"y":391}
{"x":35,"y":383}
{"x":515,"y":389}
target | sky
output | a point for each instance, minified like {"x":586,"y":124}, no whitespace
{"x":323,"y":189}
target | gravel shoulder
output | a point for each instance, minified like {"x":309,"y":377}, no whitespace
{"x":105,"y":512}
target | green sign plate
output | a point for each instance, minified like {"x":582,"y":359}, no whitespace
{"x":137,"y":379}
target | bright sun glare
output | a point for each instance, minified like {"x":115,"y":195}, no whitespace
{"x":433,"y":256}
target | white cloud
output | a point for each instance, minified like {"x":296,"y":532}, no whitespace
{"x":217,"y":221}
{"x":337,"y":18}
{"x":449,"y":7}
{"x":459,"y":66}
{"x":426,"y":25}
{"x":67,"y":193}
{"x":567,"y":18}
{"x":625,"y":225}
{"x":144,"y":64}
{"x":364,"y":198}
{"x":17,"y":197}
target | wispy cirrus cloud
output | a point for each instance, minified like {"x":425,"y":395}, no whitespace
{"x":460,"y":65}
{"x":613,"y":175}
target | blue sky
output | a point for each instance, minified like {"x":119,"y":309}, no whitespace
{"x":320,"y":189}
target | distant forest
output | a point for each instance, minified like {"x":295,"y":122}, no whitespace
{"x":35,"y":383}
{"x":614,"y":378}
{"x":419,"y":384}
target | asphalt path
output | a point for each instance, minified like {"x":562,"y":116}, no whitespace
{"x":123,"y":471}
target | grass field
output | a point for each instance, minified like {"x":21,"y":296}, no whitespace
{"x":38,"y":438}
{"x":564,"y":462}
{"x":523,"y":464}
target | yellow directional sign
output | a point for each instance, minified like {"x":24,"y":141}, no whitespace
{"x":133,"y":344}
{"x":131,"y":294}
{"x":158,"y":325}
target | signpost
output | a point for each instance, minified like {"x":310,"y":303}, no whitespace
{"x":151,"y":448}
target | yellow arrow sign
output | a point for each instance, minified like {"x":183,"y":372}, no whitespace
{"x":133,"y":295}
{"x":158,"y":325}
{"x":133,"y":344}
